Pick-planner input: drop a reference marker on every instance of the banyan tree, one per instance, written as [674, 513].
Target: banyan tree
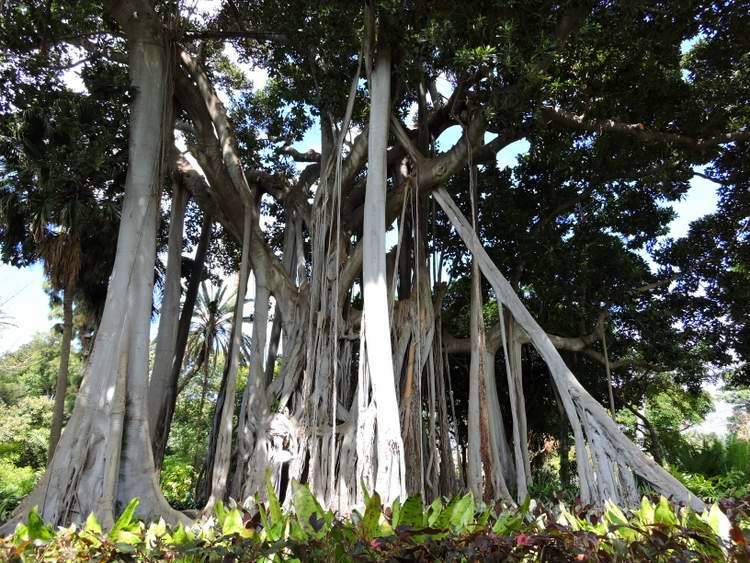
[350, 380]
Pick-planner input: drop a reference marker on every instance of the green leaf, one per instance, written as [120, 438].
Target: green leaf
[158, 529]
[614, 514]
[92, 524]
[365, 492]
[372, 516]
[220, 512]
[182, 536]
[21, 534]
[396, 512]
[125, 521]
[617, 519]
[719, 522]
[412, 513]
[37, 531]
[305, 506]
[232, 523]
[646, 512]
[127, 537]
[664, 513]
[274, 507]
[444, 520]
[433, 513]
[463, 513]
[507, 524]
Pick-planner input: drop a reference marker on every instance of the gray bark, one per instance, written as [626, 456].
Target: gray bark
[62, 373]
[376, 335]
[104, 459]
[161, 384]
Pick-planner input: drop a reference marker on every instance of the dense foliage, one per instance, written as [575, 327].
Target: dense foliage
[458, 529]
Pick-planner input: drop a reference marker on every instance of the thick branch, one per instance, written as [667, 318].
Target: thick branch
[244, 34]
[307, 156]
[638, 130]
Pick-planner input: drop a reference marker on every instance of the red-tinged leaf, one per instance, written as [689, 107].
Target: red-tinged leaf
[738, 536]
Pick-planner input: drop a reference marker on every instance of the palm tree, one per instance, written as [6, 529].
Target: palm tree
[210, 335]
[61, 253]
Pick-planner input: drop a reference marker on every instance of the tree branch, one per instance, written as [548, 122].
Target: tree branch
[638, 130]
[307, 156]
[243, 34]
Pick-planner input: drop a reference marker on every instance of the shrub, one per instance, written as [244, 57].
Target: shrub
[178, 482]
[456, 530]
[716, 468]
[15, 483]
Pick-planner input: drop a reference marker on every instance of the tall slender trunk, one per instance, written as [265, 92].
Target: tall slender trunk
[253, 442]
[62, 373]
[376, 334]
[564, 446]
[513, 368]
[477, 433]
[161, 421]
[220, 466]
[166, 339]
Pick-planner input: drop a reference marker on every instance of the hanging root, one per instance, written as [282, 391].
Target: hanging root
[606, 458]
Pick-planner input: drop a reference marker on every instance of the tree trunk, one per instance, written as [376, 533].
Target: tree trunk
[564, 445]
[375, 359]
[513, 369]
[161, 385]
[104, 458]
[253, 443]
[161, 423]
[487, 443]
[62, 373]
[220, 467]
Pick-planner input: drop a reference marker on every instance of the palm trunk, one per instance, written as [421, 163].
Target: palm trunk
[62, 373]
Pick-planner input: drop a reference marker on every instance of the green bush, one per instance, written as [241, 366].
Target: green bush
[457, 530]
[178, 482]
[15, 483]
[716, 468]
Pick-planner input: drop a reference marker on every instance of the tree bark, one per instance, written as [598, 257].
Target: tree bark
[376, 334]
[614, 456]
[253, 444]
[62, 373]
[161, 385]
